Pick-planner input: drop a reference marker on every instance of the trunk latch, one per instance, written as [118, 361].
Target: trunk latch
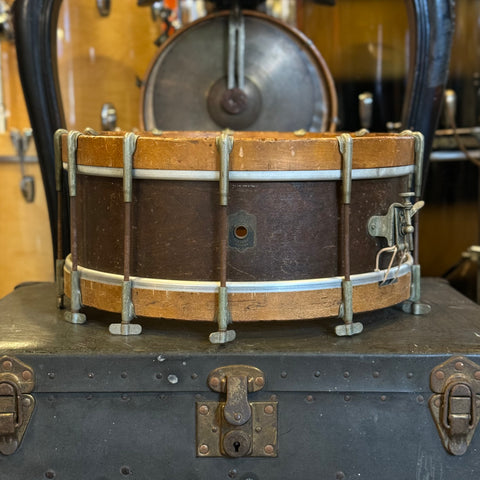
[236, 427]
[456, 405]
[16, 407]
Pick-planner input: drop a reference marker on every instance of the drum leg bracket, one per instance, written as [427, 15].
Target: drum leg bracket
[413, 305]
[349, 327]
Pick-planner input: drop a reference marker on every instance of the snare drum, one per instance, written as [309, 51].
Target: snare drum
[283, 234]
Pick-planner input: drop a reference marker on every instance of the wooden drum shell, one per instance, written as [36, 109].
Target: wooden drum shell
[292, 220]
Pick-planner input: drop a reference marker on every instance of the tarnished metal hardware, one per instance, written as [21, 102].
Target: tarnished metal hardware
[365, 109]
[236, 50]
[242, 228]
[236, 427]
[103, 7]
[224, 145]
[73, 315]
[59, 265]
[345, 145]
[396, 226]
[349, 327]
[21, 142]
[223, 317]
[16, 406]
[72, 144]
[413, 305]
[455, 405]
[108, 117]
[128, 309]
[60, 261]
[419, 154]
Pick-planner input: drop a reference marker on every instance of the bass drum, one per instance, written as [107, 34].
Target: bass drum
[101, 60]
[193, 84]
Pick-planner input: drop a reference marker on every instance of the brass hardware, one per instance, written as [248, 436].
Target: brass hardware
[16, 407]
[236, 427]
[456, 404]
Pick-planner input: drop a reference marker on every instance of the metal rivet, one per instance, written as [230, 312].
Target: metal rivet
[268, 409]
[214, 382]
[437, 402]
[51, 375]
[273, 398]
[124, 396]
[91, 375]
[158, 376]
[27, 402]
[173, 379]
[459, 365]
[89, 396]
[7, 365]
[259, 381]
[346, 374]
[439, 374]
[258, 429]
[284, 374]
[376, 374]
[237, 416]
[317, 373]
[194, 376]
[161, 358]
[269, 449]
[477, 375]
[410, 375]
[214, 429]
[125, 470]
[339, 476]
[27, 375]
[420, 399]
[50, 474]
[203, 410]
[124, 374]
[383, 398]
[203, 449]
[347, 398]
[232, 473]
[309, 398]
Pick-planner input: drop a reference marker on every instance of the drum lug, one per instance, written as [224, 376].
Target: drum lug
[16, 406]
[455, 406]
[236, 427]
